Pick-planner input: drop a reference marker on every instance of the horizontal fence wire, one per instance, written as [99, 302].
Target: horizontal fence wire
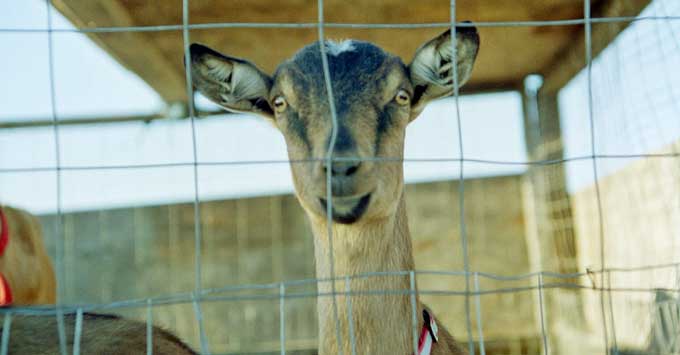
[218, 294]
[338, 159]
[312, 25]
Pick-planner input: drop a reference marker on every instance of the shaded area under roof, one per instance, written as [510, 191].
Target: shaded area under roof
[507, 55]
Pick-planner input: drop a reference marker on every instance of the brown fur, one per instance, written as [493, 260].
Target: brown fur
[370, 229]
[25, 263]
[29, 272]
[383, 324]
[101, 335]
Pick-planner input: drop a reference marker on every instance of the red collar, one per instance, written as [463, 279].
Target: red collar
[4, 232]
[5, 291]
[428, 335]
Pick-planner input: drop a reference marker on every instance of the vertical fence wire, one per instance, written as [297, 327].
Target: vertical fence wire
[611, 312]
[541, 313]
[149, 327]
[282, 318]
[199, 319]
[59, 228]
[478, 308]
[6, 329]
[414, 310]
[328, 162]
[461, 178]
[78, 331]
[593, 152]
[194, 147]
[196, 202]
[350, 319]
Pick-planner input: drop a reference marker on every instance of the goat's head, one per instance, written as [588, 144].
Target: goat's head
[375, 97]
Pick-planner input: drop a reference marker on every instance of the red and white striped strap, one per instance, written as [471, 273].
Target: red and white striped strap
[5, 290]
[4, 232]
[428, 335]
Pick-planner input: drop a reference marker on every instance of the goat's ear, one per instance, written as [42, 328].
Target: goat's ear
[431, 70]
[232, 83]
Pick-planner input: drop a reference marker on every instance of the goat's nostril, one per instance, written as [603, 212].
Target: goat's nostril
[340, 169]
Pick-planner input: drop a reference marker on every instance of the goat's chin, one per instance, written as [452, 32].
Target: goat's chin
[346, 210]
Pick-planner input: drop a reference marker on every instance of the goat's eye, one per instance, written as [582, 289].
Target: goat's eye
[402, 97]
[280, 104]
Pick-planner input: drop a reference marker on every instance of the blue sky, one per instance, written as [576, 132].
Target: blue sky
[88, 82]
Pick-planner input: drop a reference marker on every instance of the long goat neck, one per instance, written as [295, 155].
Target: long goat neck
[382, 322]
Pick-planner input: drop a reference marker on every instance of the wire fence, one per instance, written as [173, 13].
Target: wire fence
[208, 26]
[598, 280]
[582, 280]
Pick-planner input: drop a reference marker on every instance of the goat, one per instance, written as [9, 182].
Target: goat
[375, 96]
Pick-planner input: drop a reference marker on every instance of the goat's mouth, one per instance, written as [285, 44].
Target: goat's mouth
[347, 210]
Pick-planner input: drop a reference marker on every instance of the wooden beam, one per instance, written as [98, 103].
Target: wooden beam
[557, 52]
[572, 59]
[134, 50]
[87, 120]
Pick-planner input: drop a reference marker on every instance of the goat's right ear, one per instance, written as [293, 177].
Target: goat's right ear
[232, 83]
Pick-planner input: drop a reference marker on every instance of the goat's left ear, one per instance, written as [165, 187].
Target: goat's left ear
[431, 70]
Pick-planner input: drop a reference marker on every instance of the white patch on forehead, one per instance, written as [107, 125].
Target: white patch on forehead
[336, 48]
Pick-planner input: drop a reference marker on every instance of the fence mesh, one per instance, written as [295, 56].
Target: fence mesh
[605, 246]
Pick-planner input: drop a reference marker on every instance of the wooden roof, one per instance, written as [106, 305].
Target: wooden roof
[506, 56]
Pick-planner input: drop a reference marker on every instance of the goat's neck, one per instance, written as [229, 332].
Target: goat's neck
[382, 323]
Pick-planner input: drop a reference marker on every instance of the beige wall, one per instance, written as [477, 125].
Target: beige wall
[149, 251]
[495, 232]
[640, 202]
[641, 227]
